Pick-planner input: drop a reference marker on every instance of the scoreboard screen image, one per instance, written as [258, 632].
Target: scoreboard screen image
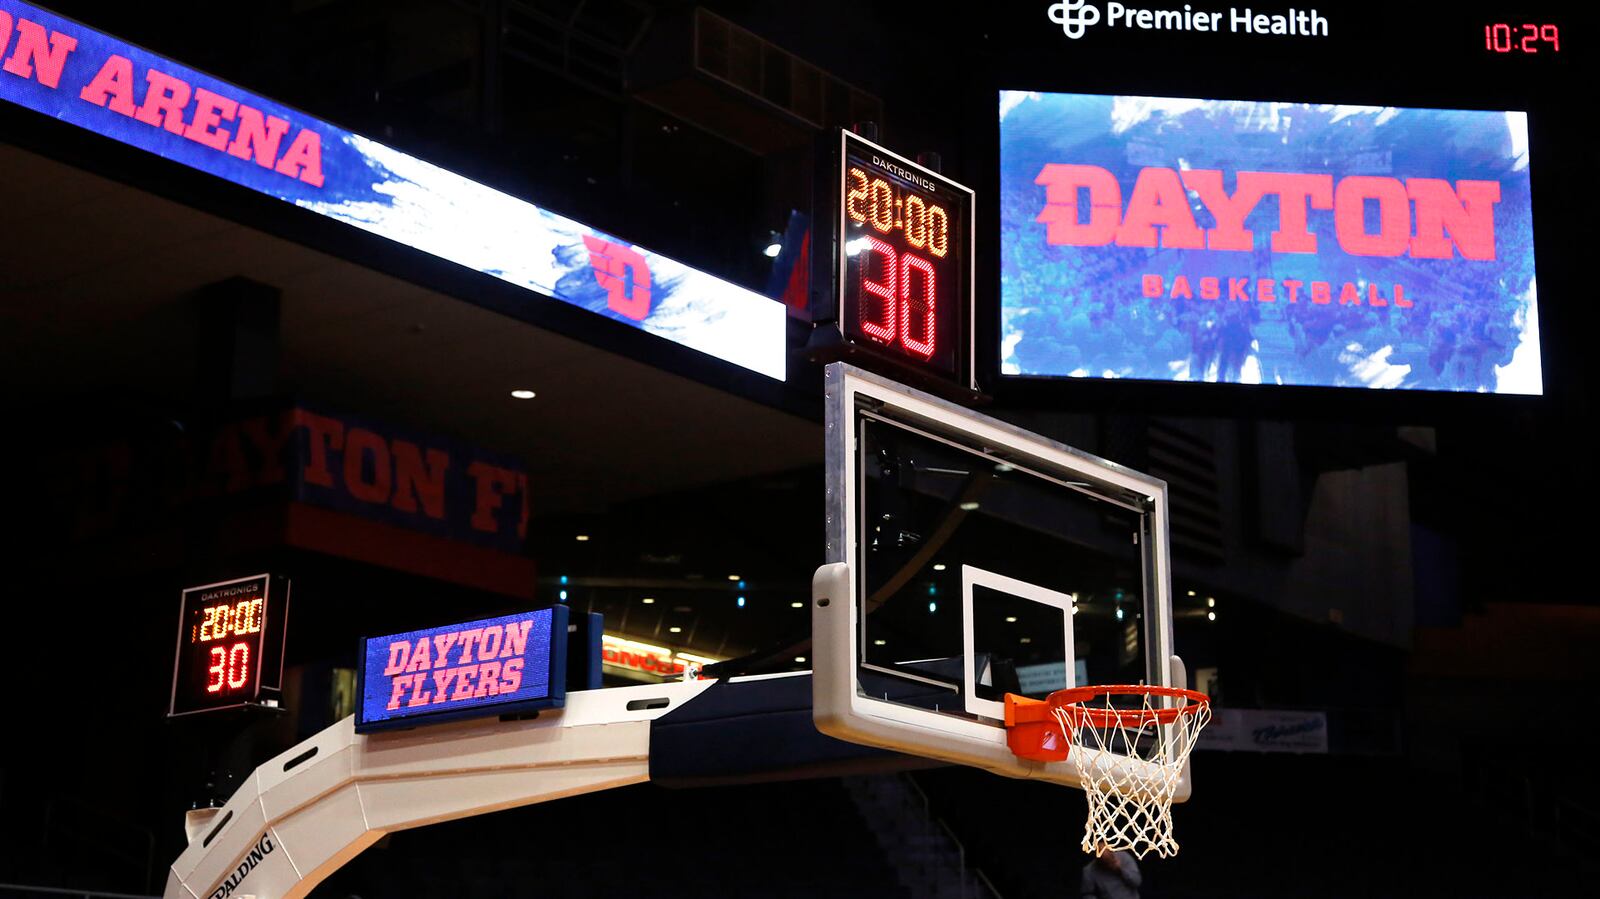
[1255, 242]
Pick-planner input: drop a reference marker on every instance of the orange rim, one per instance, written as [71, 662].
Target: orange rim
[1070, 702]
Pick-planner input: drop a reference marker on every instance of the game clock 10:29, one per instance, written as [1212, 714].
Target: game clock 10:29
[905, 261]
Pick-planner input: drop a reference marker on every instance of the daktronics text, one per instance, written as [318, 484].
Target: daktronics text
[1448, 218]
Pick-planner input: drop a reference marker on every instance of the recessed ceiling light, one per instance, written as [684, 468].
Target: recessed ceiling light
[733, 577]
[1026, 640]
[939, 567]
[675, 630]
[648, 600]
[1011, 619]
[1211, 616]
[800, 659]
[968, 507]
[523, 394]
[797, 605]
[880, 642]
[1211, 602]
[583, 538]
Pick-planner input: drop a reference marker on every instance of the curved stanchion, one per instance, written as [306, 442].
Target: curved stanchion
[302, 815]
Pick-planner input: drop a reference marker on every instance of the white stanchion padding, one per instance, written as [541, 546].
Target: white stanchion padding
[305, 813]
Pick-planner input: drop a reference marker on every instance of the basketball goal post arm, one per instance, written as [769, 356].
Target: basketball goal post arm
[302, 815]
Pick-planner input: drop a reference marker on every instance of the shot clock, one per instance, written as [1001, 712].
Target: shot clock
[905, 261]
[230, 644]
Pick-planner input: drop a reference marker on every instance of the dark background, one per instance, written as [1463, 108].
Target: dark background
[1412, 565]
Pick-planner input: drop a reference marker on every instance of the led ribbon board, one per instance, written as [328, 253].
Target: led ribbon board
[1267, 243]
[230, 644]
[905, 262]
[70, 72]
[487, 667]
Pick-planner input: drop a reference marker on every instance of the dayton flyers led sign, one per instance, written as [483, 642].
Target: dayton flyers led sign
[1267, 243]
[72, 73]
[493, 666]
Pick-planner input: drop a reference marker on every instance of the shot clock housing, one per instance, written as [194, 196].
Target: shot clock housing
[896, 282]
[230, 645]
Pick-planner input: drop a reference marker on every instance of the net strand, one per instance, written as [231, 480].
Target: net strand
[1130, 767]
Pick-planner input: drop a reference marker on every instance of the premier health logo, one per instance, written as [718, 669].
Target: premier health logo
[1075, 17]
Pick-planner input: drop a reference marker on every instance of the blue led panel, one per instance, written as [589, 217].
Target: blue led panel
[488, 667]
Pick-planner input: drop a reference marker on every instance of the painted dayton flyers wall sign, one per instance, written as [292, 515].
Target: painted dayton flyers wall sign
[74, 74]
[1277, 243]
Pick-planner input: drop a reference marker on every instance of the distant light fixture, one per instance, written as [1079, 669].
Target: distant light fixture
[933, 607]
[933, 590]
[741, 585]
[563, 580]
[1119, 614]
[772, 250]
[1026, 640]
[1074, 610]
[1011, 619]
[649, 600]
[740, 602]
[583, 538]
[1003, 468]
[968, 507]
[1211, 602]
[797, 605]
[562, 596]
[523, 394]
[800, 659]
[940, 567]
[1211, 616]
[880, 642]
[734, 577]
[675, 630]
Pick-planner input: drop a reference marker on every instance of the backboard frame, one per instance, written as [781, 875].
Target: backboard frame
[840, 708]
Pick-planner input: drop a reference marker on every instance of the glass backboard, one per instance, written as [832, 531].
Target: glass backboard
[968, 558]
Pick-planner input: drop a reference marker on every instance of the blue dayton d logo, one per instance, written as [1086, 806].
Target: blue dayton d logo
[1074, 16]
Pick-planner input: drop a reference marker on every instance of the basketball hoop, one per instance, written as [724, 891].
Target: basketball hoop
[1129, 759]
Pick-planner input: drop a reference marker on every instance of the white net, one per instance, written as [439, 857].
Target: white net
[1130, 760]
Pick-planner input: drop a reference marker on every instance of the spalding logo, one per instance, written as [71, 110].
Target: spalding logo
[263, 848]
